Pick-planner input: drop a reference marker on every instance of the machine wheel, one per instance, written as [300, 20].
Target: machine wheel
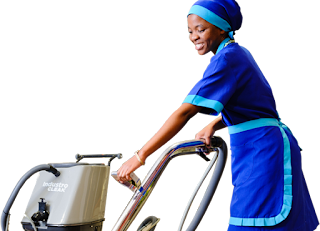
[147, 223]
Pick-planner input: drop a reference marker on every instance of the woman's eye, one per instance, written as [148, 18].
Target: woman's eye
[199, 31]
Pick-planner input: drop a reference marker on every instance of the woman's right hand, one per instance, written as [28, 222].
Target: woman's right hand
[206, 134]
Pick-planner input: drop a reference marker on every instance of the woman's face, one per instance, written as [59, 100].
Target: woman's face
[205, 36]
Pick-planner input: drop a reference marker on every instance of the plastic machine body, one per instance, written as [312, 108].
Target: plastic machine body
[77, 198]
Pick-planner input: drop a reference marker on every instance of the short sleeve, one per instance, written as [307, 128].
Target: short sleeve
[215, 89]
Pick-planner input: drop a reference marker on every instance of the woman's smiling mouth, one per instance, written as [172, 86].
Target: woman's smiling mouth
[199, 46]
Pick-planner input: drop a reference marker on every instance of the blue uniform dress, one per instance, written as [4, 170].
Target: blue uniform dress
[270, 192]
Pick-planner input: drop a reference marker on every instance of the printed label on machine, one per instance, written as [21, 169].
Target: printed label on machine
[55, 187]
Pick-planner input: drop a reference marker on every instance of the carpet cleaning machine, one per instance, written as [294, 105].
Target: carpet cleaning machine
[72, 196]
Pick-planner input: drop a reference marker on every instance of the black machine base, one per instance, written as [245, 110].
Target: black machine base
[94, 226]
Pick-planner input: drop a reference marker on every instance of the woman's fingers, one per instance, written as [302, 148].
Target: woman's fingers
[208, 141]
[205, 138]
[120, 174]
[124, 178]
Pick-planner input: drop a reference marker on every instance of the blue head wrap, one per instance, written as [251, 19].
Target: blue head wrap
[224, 14]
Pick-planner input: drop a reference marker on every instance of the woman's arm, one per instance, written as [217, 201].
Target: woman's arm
[208, 131]
[169, 129]
[217, 124]
[173, 126]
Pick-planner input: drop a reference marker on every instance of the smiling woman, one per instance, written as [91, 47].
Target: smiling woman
[269, 187]
[205, 36]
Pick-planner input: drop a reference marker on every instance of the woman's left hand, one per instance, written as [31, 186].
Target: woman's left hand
[127, 168]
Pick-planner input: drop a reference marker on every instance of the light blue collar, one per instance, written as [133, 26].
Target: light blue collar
[224, 43]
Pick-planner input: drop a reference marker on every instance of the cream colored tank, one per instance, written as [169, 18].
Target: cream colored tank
[77, 196]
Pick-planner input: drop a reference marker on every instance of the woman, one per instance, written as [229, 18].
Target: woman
[269, 187]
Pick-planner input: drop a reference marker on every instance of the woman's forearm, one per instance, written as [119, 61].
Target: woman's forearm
[175, 124]
[217, 124]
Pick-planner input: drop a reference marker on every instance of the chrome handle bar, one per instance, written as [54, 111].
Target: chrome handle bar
[140, 196]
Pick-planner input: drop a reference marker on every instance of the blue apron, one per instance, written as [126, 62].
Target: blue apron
[269, 187]
[270, 192]
[261, 173]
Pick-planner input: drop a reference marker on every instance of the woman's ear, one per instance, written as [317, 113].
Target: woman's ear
[223, 33]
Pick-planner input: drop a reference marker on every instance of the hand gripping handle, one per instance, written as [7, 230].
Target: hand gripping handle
[127, 184]
[135, 178]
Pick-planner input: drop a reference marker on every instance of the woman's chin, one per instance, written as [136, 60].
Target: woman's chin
[202, 52]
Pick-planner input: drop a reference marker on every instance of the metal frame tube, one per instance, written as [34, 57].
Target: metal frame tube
[144, 191]
[141, 196]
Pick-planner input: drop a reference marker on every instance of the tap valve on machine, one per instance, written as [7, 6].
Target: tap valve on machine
[42, 214]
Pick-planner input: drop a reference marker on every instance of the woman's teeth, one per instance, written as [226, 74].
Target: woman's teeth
[199, 46]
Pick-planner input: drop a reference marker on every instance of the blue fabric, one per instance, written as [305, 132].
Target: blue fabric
[253, 124]
[257, 183]
[234, 79]
[203, 102]
[259, 218]
[217, 81]
[222, 45]
[269, 188]
[224, 14]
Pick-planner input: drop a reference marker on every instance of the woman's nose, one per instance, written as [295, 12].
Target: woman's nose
[194, 37]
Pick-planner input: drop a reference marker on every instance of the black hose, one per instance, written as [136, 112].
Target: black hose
[19, 185]
[222, 157]
[111, 159]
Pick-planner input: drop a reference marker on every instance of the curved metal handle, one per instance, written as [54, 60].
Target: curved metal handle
[150, 181]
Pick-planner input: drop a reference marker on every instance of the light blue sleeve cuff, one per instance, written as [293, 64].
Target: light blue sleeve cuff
[204, 102]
